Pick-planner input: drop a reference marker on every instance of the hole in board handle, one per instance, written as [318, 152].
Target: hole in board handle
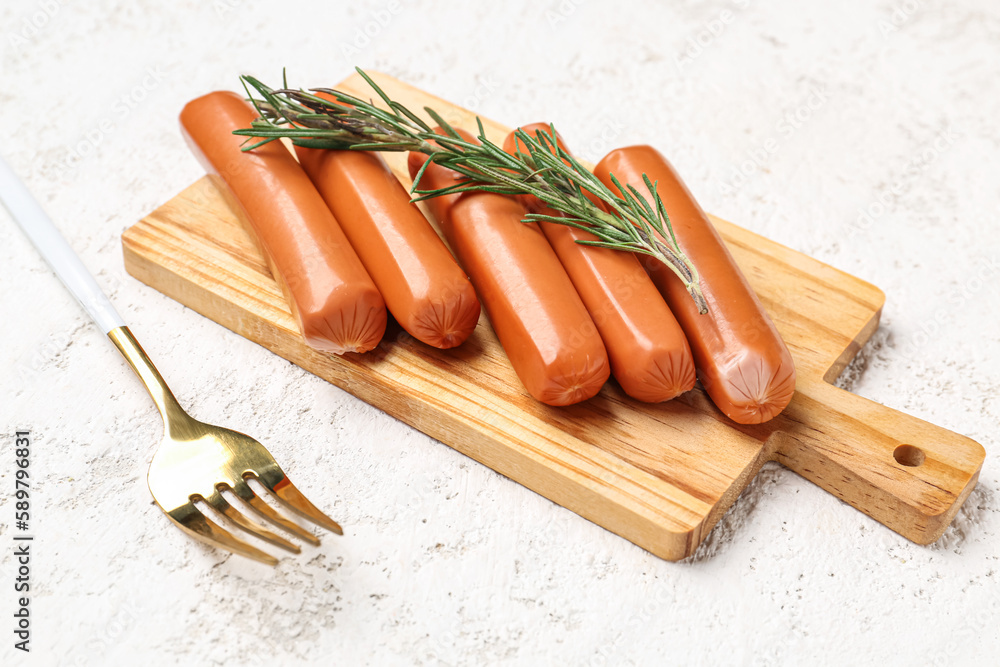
[908, 455]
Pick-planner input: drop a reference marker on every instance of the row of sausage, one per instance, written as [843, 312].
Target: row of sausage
[345, 244]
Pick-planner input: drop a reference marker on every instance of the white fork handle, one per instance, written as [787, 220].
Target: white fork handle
[30, 217]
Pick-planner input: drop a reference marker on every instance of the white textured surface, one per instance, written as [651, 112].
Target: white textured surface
[444, 561]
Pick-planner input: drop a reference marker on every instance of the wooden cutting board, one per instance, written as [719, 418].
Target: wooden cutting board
[661, 475]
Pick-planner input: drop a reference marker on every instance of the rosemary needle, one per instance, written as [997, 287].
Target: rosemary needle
[540, 167]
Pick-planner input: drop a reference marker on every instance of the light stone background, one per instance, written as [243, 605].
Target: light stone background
[444, 561]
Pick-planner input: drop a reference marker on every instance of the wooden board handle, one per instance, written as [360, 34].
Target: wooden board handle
[904, 472]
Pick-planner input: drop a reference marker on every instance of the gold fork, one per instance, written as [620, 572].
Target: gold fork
[196, 461]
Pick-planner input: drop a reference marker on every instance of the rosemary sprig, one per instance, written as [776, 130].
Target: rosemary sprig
[540, 167]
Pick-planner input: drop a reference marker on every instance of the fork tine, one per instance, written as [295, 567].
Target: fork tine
[265, 511]
[221, 505]
[190, 519]
[277, 482]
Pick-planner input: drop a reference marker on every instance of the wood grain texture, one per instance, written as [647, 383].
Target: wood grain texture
[660, 475]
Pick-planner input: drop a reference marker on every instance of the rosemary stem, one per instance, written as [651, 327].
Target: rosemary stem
[539, 168]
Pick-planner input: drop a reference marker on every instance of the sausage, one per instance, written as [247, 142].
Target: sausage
[423, 286]
[649, 354]
[540, 320]
[741, 359]
[334, 301]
